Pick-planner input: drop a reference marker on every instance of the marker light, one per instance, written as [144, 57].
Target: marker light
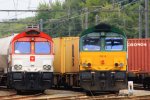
[116, 64]
[47, 67]
[121, 64]
[18, 67]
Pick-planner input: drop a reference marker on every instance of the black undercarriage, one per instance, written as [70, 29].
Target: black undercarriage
[27, 81]
[103, 80]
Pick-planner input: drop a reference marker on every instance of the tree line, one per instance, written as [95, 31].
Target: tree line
[71, 17]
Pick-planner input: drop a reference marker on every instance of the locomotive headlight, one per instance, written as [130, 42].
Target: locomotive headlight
[89, 64]
[18, 67]
[47, 67]
[116, 64]
[84, 64]
[121, 64]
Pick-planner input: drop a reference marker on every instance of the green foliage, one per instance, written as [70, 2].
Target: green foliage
[122, 14]
[58, 21]
[43, 15]
[11, 27]
[68, 18]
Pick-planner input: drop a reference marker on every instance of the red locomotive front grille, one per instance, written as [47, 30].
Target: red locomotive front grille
[32, 58]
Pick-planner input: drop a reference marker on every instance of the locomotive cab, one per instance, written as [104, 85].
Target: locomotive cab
[103, 59]
[30, 61]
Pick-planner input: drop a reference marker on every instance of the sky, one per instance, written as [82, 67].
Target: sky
[19, 5]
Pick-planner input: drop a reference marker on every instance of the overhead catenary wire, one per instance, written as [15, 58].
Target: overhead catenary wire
[59, 20]
[49, 10]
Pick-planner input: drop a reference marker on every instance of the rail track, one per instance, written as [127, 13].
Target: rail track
[81, 96]
[105, 97]
[69, 95]
[19, 97]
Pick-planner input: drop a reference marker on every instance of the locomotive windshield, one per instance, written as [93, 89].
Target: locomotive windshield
[22, 47]
[42, 47]
[97, 41]
[113, 43]
[91, 42]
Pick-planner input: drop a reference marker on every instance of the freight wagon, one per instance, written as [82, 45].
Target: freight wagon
[139, 61]
[66, 61]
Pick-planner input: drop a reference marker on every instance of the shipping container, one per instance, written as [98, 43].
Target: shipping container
[139, 55]
[66, 59]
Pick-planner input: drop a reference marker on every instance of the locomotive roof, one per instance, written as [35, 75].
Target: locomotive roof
[32, 33]
[103, 27]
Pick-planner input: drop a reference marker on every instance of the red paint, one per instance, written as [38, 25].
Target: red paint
[139, 55]
[102, 62]
[32, 58]
[23, 36]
